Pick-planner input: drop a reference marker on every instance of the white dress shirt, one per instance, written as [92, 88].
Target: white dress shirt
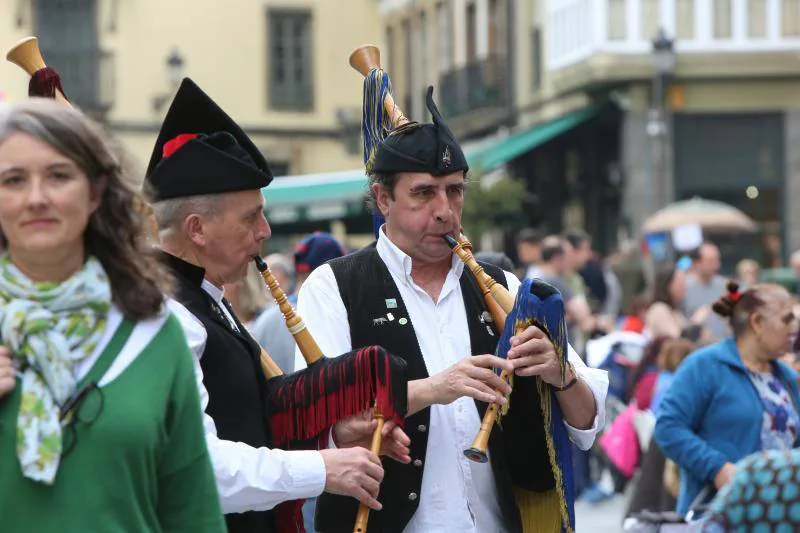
[457, 494]
[248, 479]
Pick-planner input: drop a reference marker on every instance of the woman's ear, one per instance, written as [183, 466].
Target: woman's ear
[96, 192]
[756, 322]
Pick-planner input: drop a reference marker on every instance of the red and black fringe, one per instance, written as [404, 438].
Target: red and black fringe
[289, 517]
[304, 404]
[44, 83]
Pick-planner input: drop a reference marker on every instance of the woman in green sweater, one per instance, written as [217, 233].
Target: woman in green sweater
[101, 429]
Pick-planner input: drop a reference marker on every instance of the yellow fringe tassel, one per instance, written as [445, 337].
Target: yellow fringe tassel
[544, 512]
[540, 511]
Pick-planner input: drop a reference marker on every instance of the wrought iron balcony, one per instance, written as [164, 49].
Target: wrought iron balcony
[483, 84]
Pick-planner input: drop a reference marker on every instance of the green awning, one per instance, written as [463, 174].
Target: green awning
[327, 196]
[504, 150]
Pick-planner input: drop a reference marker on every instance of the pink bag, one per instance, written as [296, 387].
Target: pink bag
[621, 444]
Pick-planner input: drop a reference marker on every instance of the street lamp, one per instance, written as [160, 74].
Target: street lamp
[174, 68]
[175, 64]
[657, 128]
[663, 67]
[663, 54]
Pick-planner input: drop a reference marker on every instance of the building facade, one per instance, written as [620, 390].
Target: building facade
[279, 67]
[720, 121]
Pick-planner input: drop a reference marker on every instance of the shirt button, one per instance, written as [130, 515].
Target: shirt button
[421, 428]
[412, 496]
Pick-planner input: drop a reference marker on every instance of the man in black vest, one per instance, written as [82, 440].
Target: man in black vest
[413, 296]
[206, 177]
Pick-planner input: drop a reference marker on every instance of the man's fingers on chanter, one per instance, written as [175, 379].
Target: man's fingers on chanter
[372, 486]
[484, 394]
[485, 361]
[480, 373]
[374, 471]
[369, 501]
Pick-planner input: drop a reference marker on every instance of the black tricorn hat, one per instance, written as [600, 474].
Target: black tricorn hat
[429, 148]
[201, 150]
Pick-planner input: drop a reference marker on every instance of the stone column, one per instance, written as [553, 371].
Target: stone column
[638, 191]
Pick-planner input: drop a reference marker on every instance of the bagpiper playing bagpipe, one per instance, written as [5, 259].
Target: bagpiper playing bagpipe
[205, 177]
[411, 293]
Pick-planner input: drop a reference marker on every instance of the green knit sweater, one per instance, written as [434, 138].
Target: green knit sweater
[140, 466]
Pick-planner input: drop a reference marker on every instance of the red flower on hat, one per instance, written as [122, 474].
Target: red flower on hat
[734, 296]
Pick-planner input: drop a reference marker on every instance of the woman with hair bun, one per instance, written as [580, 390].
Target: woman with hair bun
[733, 398]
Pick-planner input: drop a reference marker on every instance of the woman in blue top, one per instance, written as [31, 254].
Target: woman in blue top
[734, 397]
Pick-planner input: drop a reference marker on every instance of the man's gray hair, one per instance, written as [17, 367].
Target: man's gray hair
[171, 213]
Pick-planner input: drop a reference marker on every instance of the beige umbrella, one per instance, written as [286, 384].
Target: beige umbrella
[710, 215]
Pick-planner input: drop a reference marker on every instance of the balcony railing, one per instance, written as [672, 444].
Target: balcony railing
[479, 85]
[577, 29]
[88, 78]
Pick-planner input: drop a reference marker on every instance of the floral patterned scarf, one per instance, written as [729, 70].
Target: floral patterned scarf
[49, 328]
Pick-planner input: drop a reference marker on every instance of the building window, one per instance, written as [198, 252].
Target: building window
[68, 40]
[790, 18]
[279, 168]
[290, 69]
[616, 20]
[650, 20]
[423, 53]
[388, 57]
[536, 55]
[445, 31]
[472, 28]
[684, 19]
[408, 77]
[723, 19]
[352, 142]
[497, 31]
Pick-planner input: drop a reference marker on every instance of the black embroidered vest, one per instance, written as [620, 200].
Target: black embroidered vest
[365, 285]
[232, 376]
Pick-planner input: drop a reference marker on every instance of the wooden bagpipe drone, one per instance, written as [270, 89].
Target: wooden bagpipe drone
[302, 406]
[530, 428]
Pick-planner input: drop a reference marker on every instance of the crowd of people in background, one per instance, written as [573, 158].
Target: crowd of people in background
[703, 372]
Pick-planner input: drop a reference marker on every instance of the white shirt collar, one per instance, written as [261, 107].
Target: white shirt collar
[215, 292]
[399, 263]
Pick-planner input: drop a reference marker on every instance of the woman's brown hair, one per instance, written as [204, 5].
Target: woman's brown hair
[115, 234]
[673, 352]
[662, 285]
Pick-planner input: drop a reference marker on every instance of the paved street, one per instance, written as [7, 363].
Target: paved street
[602, 518]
